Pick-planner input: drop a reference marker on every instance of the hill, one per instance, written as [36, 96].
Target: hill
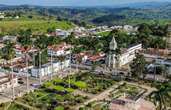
[37, 26]
[136, 13]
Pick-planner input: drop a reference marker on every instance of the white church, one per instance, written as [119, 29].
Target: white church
[126, 55]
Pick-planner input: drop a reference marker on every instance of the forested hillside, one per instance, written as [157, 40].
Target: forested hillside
[130, 14]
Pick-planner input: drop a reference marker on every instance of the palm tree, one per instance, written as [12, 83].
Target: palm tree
[41, 43]
[9, 54]
[162, 97]
[52, 41]
[25, 40]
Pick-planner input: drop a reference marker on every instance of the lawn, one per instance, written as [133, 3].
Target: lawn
[37, 26]
[104, 33]
[93, 83]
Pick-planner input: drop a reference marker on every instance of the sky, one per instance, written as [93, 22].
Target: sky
[74, 2]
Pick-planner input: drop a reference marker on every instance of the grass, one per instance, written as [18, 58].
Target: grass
[59, 108]
[104, 33]
[92, 83]
[37, 26]
[80, 84]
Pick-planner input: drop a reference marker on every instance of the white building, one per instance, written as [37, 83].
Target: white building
[6, 81]
[10, 38]
[128, 28]
[62, 33]
[2, 16]
[48, 69]
[61, 49]
[126, 56]
[129, 54]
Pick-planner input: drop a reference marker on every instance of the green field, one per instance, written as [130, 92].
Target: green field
[106, 33]
[37, 26]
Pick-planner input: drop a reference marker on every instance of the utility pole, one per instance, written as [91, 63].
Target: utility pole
[27, 72]
[34, 64]
[40, 67]
[51, 67]
[70, 70]
[12, 79]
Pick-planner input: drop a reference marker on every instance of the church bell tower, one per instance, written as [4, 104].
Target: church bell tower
[111, 58]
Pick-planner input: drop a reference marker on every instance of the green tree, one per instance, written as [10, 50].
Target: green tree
[41, 42]
[162, 97]
[138, 66]
[25, 40]
[8, 51]
[144, 28]
[71, 39]
[52, 40]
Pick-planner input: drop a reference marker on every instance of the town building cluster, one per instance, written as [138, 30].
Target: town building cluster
[60, 57]
[84, 32]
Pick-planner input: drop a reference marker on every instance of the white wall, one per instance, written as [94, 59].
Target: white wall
[47, 68]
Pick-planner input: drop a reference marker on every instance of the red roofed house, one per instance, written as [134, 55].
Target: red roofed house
[61, 49]
[88, 57]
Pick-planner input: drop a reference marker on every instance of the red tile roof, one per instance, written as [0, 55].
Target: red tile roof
[61, 46]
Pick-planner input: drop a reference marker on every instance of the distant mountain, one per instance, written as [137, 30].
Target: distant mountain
[146, 5]
[121, 14]
[1, 5]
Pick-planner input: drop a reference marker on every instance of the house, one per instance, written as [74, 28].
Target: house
[10, 38]
[128, 28]
[19, 50]
[49, 68]
[61, 49]
[89, 57]
[18, 64]
[62, 33]
[6, 81]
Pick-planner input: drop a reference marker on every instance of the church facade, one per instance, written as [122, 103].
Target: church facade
[127, 55]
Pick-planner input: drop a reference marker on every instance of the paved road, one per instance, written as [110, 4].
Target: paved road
[26, 106]
[78, 92]
[98, 69]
